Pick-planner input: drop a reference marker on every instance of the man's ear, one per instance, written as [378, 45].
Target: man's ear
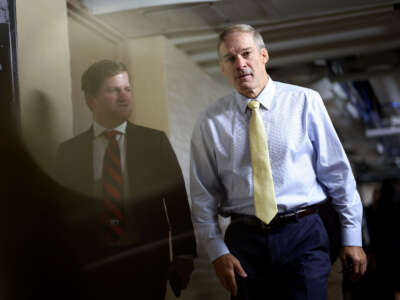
[265, 55]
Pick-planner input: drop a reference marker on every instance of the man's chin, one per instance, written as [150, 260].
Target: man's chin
[245, 83]
[125, 113]
[121, 117]
[246, 86]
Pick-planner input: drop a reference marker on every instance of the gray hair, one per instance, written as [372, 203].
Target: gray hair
[241, 28]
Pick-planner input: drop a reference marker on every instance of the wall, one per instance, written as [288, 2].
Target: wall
[146, 62]
[190, 90]
[44, 76]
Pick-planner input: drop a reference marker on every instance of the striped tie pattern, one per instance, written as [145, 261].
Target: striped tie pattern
[113, 217]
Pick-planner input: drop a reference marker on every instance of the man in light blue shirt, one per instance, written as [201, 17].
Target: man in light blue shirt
[288, 258]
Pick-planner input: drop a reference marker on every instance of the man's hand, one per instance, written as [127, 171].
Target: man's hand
[354, 261]
[225, 267]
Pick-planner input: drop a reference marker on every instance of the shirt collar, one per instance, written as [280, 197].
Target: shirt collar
[98, 129]
[265, 97]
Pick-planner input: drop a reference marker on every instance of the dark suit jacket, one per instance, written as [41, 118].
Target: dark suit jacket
[140, 268]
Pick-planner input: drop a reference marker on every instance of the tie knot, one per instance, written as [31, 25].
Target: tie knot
[253, 104]
[111, 134]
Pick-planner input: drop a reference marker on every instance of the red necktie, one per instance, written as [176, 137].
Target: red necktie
[113, 217]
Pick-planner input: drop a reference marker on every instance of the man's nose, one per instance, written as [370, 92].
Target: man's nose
[240, 62]
[125, 95]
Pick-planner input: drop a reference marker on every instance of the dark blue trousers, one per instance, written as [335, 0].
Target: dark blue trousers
[290, 262]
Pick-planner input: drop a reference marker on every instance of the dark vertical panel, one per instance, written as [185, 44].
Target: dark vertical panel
[5, 64]
[9, 100]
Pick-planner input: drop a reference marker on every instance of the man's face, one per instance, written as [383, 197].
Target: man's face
[243, 63]
[112, 105]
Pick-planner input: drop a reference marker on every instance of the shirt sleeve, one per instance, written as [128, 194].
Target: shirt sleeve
[334, 171]
[206, 191]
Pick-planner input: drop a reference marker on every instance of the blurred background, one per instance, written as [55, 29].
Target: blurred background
[349, 51]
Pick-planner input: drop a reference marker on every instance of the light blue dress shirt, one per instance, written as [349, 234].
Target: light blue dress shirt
[307, 160]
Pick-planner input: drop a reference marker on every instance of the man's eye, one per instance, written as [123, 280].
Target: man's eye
[230, 59]
[128, 89]
[246, 54]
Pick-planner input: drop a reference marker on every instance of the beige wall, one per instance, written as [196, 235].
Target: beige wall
[44, 76]
[146, 61]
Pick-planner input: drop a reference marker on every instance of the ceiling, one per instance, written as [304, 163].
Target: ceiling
[295, 32]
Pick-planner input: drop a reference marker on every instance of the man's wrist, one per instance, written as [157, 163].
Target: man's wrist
[218, 254]
[351, 236]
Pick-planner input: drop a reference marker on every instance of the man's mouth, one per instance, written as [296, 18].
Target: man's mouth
[243, 76]
[123, 103]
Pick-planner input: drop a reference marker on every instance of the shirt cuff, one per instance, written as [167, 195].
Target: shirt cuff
[216, 248]
[351, 236]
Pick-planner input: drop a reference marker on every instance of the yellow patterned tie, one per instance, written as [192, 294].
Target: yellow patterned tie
[264, 196]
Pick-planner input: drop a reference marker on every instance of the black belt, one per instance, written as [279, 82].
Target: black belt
[279, 220]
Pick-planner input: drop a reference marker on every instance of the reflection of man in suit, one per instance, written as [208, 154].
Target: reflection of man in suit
[130, 190]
